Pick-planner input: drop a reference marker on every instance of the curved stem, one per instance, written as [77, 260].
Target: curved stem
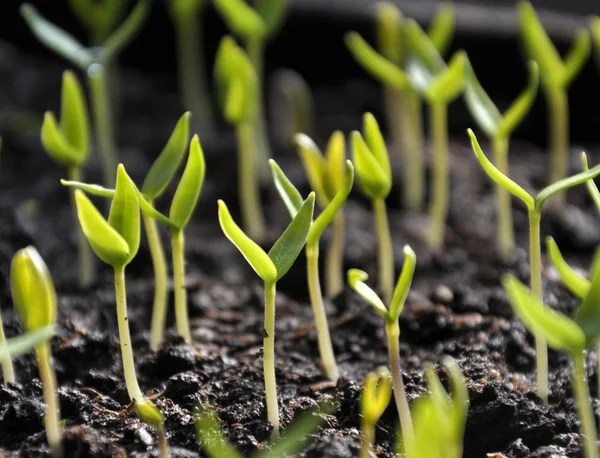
[386, 251]
[8, 371]
[506, 241]
[181, 304]
[441, 183]
[163, 446]
[584, 406]
[269, 358]
[87, 262]
[49, 388]
[334, 261]
[559, 137]
[368, 437]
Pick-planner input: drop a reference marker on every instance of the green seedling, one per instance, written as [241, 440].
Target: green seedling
[499, 127]
[332, 204]
[270, 267]
[116, 241]
[591, 185]
[374, 400]
[8, 371]
[442, 414]
[26, 342]
[99, 18]
[193, 87]
[595, 29]
[34, 298]
[93, 61]
[236, 88]
[375, 181]
[356, 280]
[68, 143]
[556, 75]
[534, 210]
[572, 335]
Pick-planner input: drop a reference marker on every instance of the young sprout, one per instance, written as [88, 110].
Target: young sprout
[236, 89]
[331, 203]
[99, 18]
[116, 241]
[68, 143]
[356, 280]
[556, 75]
[590, 184]
[595, 29]
[498, 127]
[373, 402]
[534, 210]
[375, 181]
[573, 335]
[93, 61]
[193, 87]
[34, 299]
[270, 267]
[8, 372]
[442, 414]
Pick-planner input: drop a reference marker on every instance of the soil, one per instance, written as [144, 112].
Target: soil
[456, 306]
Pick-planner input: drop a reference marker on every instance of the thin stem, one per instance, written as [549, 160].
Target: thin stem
[159, 263]
[249, 186]
[386, 251]
[269, 358]
[316, 299]
[392, 331]
[441, 183]
[8, 371]
[49, 389]
[368, 437]
[559, 137]
[87, 262]
[584, 406]
[506, 241]
[163, 445]
[181, 304]
[334, 261]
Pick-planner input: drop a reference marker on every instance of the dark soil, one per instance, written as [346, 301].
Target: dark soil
[456, 306]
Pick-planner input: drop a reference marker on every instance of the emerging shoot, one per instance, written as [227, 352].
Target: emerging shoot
[373, 402]
[8, 371]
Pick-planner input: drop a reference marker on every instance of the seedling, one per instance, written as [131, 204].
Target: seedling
[595, 29]
[116, 241]
[99, 18]
[93, 62]
[8, 372]
[331, 203]
[237, 85]
[498, 128]
[591, 185]
[373, 402]
[270, 267]
[193, 87]
[34, 299]
[68, 143]
[573, 335]
[534, 210]
[556, 75]
[356, 280]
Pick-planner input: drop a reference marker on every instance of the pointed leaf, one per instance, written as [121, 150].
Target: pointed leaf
[93, 189]
[588, 314]
[422, 48]
[372, 179]
[376, 143]
[213, 439]
[74, 122]
[335, 161]
[235, 102]
[577, 56]
[449, 84]
[315, 166]
[578, 285]
[24, 343]
[482, 109]
[124, 215]
[564, 184]
[56, 145]
[419, 75]
[441, 30]
[241, 18]
[403, 284]
[591, 184]
[289, 194]
[272, 13]
[389, 32]
[376, 395]
[356, 280]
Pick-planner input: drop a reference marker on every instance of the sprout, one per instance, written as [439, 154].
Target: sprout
[193, 87]
[590, 184]
[8, 372]
[595, 29]
[99, 18]
[237, 85]
[573, 335]
[356, 280]
[534, 210]
[68, 143]
[375, 181]
[34, 299]
[270, 267]
[93, 61]
[498, 128]
[556, 75]
[331, 201]
[373, 402]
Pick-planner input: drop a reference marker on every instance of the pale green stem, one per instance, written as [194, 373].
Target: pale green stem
[368, 437]
[334, 261]
[559, 137]
[161, 278]
[103, 123]
[316, 299]
[386, 251]
[440, 195]
[163, 446]
[8, 372]
[392, 331]
[49, 389]
[584, 406]
[535, 256]
[269, 358]
[181, 304]
[506, 241]
[249, 185]
[87, 262]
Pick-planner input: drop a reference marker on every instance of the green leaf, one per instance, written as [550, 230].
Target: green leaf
[166, 164]
[376, 395]
[124, 215]
[403, 284]
[565, 184]
[314, 165]
[498, 177]
[213, 439]
[356, 280]
[242, 19]
[389, 31]
[272, 13]
[422, 49]
[372, 179]
[289, 194]
[376, 143]
[93, 189]
[482, 109]
[578, 285]
[189, 187]
[460, 397]
[254, 254]
[588, 313]
[560, 332]
[32, 290]
[98, 17]
[577, 56]
[74, 122]
[441, 30]
[426, 418]
[24, 343]
[286, 249]
[448, 84]
[55, 143]
[590, 184]
[149, 413]
[595, 29]
[335, 163]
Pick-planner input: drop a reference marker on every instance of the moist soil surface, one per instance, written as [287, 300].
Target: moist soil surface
[456, 306]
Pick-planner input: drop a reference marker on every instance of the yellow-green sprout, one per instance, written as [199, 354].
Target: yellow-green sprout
[34, 298]
[8, 371]
[374, 400]
[99, 18]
